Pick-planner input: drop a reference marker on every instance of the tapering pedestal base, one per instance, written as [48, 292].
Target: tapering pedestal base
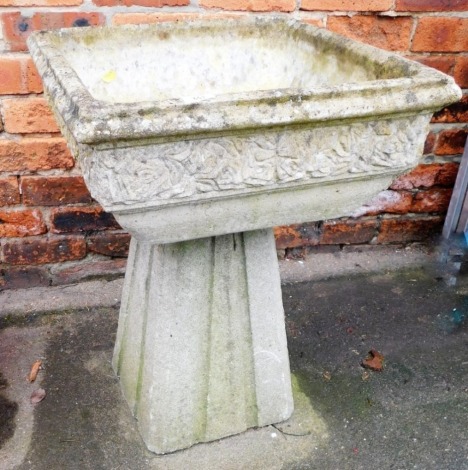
[201, 347]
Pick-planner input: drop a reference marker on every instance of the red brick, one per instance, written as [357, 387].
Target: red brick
[348, 232]
[143, 3]
[451, 142]
[85, 271]
[26, 116]
[21, 223]
[109, 244]
[307, 234]
[314, 21]
[443, 63]
[447, 174]
[81, 219]
[457, 112]
[35, 154]
[429, 143]
[431, 200]
[10, 76]
[13, 277]
[17, 28]
[460, 71]
[9, 191]
[436, 34]
[43, 251]
[427, 176]
[250, 5]
[39, 3]
[18, 75]
[347, 5]
[392, 202]
[387, 32]
[287, 236]
[410, 229]
[54, 190]
[431, 5]
[33, 79]
[149, 18]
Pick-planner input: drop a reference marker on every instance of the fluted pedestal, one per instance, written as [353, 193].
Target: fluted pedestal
[201, 347]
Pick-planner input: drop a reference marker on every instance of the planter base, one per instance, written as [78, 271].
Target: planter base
[201, 346]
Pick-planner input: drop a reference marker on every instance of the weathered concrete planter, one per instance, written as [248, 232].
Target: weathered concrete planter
[199, 138]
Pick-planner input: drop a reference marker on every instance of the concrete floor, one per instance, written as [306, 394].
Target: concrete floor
[412, 306]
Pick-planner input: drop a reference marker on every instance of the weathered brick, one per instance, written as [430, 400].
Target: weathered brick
[436, 34]
[21, 223]
[250, 5]
[33, 81]
[9, 191]
[443, 63]
[26, 116]
[109, 244]
[17, 28]
[460, 71]
[343, 232]
[43, 251]
[451, 142]
[35, 154]
[143, 3]
[85, 271]
[10, 76]
[347, 5]
[457, 112]
[287, 236]
[18, 75]
[431, 5]
[299, 252]
[81, 219]
[447, 174]
[39, 3]
[314, 21]
[404, 230]
[162, 17]
[291, 236]
[392, 202]
[54, 190]
[14, 277]
[431, 200]
[429, 143]
[391, 33]
[427, 176]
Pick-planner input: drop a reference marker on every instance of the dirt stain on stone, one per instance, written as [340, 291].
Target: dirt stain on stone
[8, 410]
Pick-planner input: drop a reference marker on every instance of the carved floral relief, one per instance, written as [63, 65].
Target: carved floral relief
[188, 168]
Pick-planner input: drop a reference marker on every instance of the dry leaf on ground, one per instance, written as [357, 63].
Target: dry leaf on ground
[38, 395]
[373, 361]
[34, 370]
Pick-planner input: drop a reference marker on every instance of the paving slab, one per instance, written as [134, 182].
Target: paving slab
[29, 303]
[413, 414]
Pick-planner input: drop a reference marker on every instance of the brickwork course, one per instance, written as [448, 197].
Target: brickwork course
[52, 231]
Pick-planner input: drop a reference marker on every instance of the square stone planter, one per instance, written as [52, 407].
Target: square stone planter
[199, 137]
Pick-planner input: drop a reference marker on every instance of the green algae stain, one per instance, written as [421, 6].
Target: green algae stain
[344, 395]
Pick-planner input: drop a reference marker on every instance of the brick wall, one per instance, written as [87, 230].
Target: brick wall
[51, 230]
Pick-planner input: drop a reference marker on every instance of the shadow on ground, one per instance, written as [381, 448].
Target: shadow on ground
[411, 415]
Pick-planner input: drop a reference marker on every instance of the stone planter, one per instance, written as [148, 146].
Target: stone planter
[200, 137]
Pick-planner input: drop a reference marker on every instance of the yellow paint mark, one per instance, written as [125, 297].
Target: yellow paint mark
[109, 76]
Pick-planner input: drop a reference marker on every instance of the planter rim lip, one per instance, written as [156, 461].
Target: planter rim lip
[93, 121]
